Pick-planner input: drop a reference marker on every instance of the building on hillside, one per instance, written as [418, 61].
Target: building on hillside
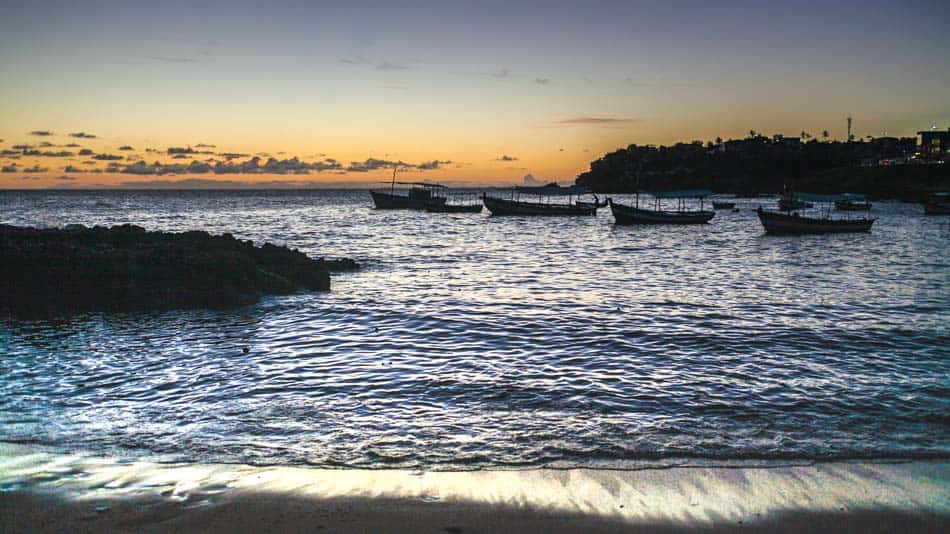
[791, 143]
[934, 144]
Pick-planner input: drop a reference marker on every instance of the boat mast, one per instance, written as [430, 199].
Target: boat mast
[392, 188]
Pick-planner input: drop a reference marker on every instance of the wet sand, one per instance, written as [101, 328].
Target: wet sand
[49, 493]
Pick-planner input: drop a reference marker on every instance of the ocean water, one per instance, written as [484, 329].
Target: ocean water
[469, 341]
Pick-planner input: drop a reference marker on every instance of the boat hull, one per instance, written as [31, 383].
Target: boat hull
[785, 204]
[388, 201]
[454, 208]
[631, 215]
[499, 206]
[785, 224]
[413, 201]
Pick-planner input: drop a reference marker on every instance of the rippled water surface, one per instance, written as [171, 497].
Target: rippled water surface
[473, 341]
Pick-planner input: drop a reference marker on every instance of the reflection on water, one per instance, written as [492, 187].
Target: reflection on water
[473, 341]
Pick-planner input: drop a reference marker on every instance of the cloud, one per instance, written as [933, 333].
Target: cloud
[372, 164]
[203, 145]
[232, 155]
[361, 61]
[506, 157]
[23, 147]
[72, 168]
[64, 178]
[41, 133]
[82, 135]
[72, 145]
[542, 81]
[187, 183]
[386, 65]
[107, 157]
[167, 59]
[46, 144]
[501, 74]
[254, 165]
[529, 179]
[48, 154]
[181, 156]
[180, 150]
[432, 165]
[126, 147]
[86, 152]
[586, 121]
[355, 60]
[13, 168]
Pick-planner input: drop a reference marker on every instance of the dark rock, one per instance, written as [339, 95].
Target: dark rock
[128, 268]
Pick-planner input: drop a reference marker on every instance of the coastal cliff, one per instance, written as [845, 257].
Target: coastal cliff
[126, 268]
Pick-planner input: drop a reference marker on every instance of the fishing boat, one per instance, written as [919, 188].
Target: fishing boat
[419, 196]
[597, 203]
[790, 223]
[719, 205]
[454, 208]
[852, 202]
[625, 214]
[937, 204]
[543, 205]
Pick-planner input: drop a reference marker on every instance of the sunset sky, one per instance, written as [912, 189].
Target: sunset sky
[474, 92]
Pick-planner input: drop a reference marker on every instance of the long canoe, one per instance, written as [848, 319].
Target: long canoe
[794, 224]
[499, 206]
[630, 215]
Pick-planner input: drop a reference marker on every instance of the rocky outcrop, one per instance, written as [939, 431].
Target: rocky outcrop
[127, 268]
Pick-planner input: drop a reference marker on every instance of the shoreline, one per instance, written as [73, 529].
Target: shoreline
[46, 492]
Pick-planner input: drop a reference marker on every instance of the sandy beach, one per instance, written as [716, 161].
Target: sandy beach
[44, 492]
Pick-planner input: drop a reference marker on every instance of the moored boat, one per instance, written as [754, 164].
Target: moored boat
[421, 195]
[500, 206]
[454, 208]
[543, 206]
[796, 224]
[625, 214]
[597, 203]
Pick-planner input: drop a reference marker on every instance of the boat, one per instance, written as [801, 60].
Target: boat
[723, 205]
[796, 224]
[543, 206]
[421, 195]
[453, 208]
[937, 204]
[789, 223]
[852, 202]
[595, 204]
[625, 214]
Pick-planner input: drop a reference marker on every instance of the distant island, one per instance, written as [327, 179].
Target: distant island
[126, 268]
[883, 167]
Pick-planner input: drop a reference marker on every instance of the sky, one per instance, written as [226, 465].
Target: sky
[457, 92]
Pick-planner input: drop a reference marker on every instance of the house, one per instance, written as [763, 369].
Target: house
[790, 143]
[933, 144]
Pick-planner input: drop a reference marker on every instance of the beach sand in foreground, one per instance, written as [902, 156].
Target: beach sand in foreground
[44, 492]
